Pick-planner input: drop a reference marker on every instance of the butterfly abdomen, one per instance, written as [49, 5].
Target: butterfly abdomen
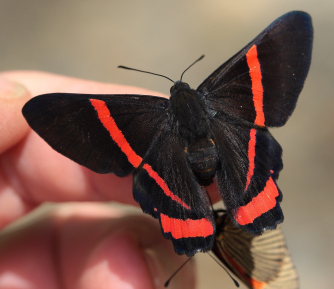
[203, 158]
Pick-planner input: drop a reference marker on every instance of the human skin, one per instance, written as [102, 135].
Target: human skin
[71, 245]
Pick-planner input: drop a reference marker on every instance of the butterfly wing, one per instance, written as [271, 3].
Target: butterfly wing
[166, 188]
[261, 262]
[256, 88]
[249, 166]
[131, 133]
[261, 83]
[106, 133]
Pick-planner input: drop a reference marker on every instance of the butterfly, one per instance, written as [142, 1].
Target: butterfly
[260, 262]
[175, 147]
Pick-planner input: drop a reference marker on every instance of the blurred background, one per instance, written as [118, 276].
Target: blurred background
[88, 39]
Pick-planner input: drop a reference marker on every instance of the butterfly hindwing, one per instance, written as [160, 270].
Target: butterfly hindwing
[166, 187]
[259, 261]
[106, 133]
[250, 161]
[261, 83]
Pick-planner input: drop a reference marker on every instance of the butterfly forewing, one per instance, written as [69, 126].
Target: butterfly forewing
[83, 127]
[261, 82]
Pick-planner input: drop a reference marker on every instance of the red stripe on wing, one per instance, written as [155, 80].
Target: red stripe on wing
[251, 156]
[163, 185]
[262, 203]
[109, 123]
[116, 134]
[188, 228]
[257, 87]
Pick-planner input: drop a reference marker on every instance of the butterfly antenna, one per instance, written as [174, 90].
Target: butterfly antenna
[176, 271]
[200, 58]
[134, 69]
[236, 283]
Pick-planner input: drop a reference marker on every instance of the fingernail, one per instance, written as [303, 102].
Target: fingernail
[11, 90]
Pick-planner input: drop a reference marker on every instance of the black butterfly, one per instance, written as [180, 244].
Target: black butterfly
[175, 147]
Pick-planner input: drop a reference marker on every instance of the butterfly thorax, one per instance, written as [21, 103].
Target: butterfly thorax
[188, 108]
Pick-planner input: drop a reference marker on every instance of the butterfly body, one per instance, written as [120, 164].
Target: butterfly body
[187, 107]
[175, 146]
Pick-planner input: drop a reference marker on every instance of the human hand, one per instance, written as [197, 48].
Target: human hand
[70, 245]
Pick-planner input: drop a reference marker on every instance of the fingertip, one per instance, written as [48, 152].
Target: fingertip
[12, 124]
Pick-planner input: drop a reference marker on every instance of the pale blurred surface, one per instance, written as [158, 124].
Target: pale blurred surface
[90, 38]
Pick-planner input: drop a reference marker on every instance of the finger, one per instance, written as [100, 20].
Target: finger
[38, 82]
[12, 124]
[34, 173]
[89, 246]
[13, 128]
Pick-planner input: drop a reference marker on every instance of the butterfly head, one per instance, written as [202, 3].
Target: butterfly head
[178, 87]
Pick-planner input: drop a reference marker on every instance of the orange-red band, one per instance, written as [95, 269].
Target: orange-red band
[109, 123]
[262, 203]
[163, 185]
[251, 156]
[188, 228]
[257, 87]
[116, 134]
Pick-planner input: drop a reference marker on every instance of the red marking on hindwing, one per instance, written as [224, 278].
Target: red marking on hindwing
[262, 203]
[160, 181]
[251, 156]
[257, 86]
[188, 228]
[116, 134]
